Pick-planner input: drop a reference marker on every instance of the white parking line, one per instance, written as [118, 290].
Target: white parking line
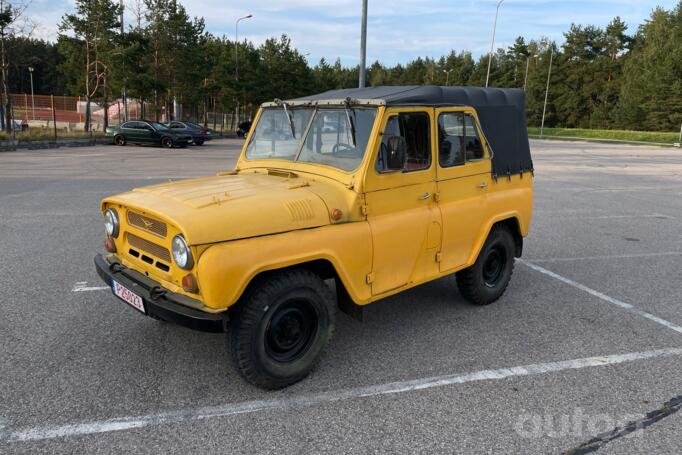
[193, 414]
[627, 306]
[82, 286]
[614, 256]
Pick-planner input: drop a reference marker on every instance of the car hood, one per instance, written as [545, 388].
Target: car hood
[228, 207]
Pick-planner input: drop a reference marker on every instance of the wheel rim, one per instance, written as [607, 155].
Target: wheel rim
[120, 140]
[291, 330]
[493, 266]
[167, 143]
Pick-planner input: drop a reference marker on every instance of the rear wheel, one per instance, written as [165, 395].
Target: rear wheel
[486, 280]
[279, 331]
[120, 140]
[167, 142]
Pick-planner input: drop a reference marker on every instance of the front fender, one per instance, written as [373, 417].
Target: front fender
[224, 270]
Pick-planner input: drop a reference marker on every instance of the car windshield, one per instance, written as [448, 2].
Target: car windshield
[159, 126]
[335, 137]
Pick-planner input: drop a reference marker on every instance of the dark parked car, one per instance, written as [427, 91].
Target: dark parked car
[243, 128]
[199, 133]
[146, 132]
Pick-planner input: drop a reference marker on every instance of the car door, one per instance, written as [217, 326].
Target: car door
[400, 205]
[147, 133]
[129, 131]
[463, 179]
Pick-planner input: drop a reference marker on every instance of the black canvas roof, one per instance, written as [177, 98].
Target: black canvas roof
[501, 112]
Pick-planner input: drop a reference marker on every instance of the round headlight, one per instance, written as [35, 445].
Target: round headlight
[181, 252]
[111, 222]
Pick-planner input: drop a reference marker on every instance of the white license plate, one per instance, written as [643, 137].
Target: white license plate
[127, 296]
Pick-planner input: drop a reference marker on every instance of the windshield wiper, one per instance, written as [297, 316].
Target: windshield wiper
[291, 120]
[352, 125]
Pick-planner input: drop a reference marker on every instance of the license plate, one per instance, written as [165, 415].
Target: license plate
[127, 296]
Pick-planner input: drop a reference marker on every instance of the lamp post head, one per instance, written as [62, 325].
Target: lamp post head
[30, 69]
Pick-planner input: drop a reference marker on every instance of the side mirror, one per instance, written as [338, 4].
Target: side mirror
[393, 153]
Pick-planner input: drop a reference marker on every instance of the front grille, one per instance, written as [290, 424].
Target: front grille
[149, 247]
[147, 224]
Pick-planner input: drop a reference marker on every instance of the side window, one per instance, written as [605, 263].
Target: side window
[450, 134]
[176, 125]
[458, 139]
[472, 142]
[406, 143]
[129, 125]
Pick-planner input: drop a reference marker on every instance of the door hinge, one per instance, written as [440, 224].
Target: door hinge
[436, 197]
[364, 209]
[370, 278]
[438, 257]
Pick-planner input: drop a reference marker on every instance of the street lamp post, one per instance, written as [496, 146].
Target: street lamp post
[447, 76]
[33, 103]
[549, 74]
[236, 63]
[236, 44]
[525, 80]
[363, 45]
[492, 43]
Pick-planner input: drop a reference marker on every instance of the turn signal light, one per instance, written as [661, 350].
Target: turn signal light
[189, 284]
[336, 214]
[109, 244]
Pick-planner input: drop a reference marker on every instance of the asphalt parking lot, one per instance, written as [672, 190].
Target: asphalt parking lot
[588, 336]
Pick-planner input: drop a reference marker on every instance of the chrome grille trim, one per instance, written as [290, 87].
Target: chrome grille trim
[145, 223]
[149, 247]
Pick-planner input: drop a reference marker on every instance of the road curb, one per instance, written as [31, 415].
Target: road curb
[603, 141]
[14, 145]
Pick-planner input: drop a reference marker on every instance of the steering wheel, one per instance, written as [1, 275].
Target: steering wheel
[343, 149]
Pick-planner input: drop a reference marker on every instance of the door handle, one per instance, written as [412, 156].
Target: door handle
[483, 185]
[424, 196]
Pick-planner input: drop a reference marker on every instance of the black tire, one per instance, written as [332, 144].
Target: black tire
[486, 280]
[167, 142]
[120, 139]
[280, 330]
[199, 142]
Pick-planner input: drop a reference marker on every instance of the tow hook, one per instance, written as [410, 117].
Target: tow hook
[156, 293]
[115, 267]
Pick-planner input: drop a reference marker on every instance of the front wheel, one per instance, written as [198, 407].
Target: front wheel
[120, 139]
[167, 142]
[198, 142]
[280, 330]
[486, 280]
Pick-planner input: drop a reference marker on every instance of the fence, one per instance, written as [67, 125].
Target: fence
[69, 112]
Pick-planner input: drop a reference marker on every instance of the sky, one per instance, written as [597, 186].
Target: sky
[398, 30]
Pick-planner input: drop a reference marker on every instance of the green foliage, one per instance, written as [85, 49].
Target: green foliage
[654, 137]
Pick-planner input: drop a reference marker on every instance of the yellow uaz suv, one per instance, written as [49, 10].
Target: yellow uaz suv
[378, 189]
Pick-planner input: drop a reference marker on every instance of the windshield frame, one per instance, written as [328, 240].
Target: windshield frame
[295, 161]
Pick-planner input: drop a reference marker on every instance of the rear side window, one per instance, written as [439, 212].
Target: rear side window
[458, 139]
[129, 125]
[414, 128]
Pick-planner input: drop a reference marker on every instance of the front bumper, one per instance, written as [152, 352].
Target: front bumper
[158, 301]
